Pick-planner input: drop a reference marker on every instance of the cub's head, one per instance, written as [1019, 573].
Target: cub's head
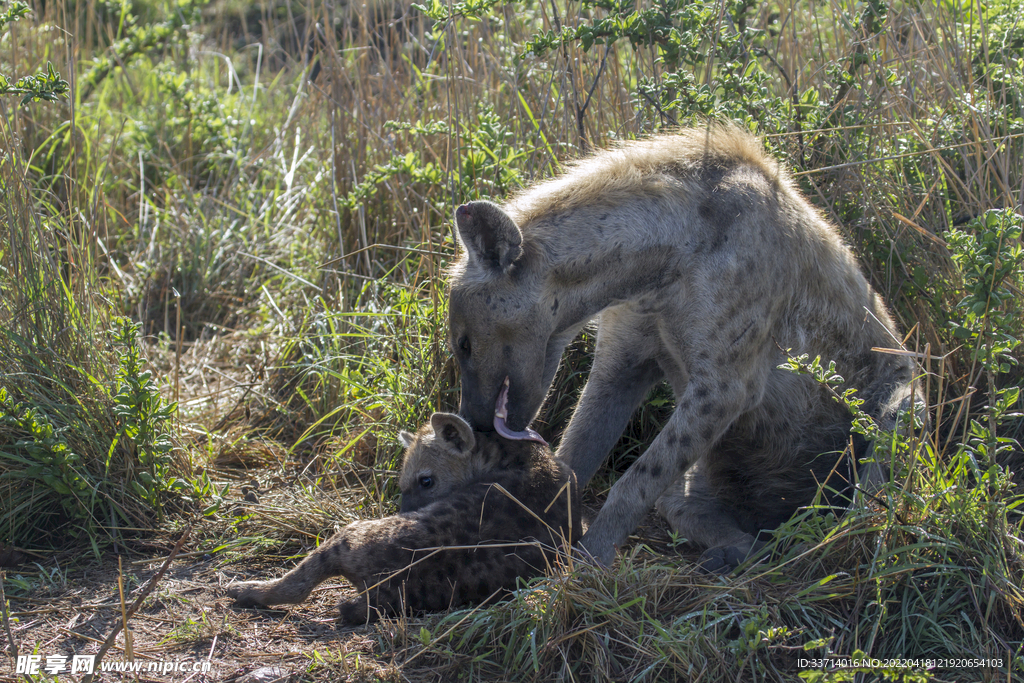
[499, 324]
[439, 459]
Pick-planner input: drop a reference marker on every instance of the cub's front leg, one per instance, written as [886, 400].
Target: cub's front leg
[364, 552]
[327, 561]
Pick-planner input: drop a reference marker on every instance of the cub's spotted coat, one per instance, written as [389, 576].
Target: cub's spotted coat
[497, 509]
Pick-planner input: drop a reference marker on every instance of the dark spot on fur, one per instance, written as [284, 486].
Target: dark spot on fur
[488, 300]
[673, 439]
[701, 392]
[706, 408]
[740, 335]
[641, 468]
[656, 471]
[708, 432]
[685, 441]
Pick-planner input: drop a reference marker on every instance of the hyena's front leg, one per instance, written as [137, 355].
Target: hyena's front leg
[323, 563]
[624, 370]
[705, 409]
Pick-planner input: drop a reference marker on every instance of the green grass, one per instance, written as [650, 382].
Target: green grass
[281, 243]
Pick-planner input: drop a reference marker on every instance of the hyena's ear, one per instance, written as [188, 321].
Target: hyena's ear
[406, 438]
[488, 234]
[454, 432]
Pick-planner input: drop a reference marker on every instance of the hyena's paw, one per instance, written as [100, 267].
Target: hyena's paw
[597, 548]
[254, 593]
[355, 612]
[724, 559]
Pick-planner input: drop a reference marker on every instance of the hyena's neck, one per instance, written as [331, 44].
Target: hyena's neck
[497, 453]
[583, 283]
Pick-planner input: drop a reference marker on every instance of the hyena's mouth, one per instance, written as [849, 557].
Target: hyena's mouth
[501, 412]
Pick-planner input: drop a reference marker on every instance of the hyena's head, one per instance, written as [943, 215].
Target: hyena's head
[439, 458]
[500, 325]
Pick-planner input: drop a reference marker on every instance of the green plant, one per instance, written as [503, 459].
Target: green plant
[140, 38]
[45, 85]
[142, 418]
[38, 455]
[990, 261]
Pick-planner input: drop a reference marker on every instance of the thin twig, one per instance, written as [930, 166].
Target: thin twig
[11, 646]
[138, 602]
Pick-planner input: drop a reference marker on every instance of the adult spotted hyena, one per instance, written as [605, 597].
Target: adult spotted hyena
[497, 508]
[704, 265]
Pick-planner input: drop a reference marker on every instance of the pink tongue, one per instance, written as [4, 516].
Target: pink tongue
[501, 412]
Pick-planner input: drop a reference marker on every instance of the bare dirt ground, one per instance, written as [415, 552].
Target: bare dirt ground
[186, 619]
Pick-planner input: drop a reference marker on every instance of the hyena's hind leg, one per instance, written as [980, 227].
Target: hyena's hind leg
[323, 563]
[697, 514]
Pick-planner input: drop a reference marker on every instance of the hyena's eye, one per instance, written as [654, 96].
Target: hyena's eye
[426, 482]
[464, 344]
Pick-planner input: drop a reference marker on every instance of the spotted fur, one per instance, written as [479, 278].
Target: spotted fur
[496, 509]
[703, 266]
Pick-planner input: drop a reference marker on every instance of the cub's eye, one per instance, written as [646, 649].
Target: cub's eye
[464, 344]
[426, 482]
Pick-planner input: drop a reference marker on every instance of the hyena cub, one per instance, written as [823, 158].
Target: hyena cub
[497, 510]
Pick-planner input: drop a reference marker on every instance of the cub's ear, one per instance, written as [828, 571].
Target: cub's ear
[488, 234]
[406, 438]
[453, 432]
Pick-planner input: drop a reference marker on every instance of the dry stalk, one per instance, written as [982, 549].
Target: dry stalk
[11, 645]
[128, 649]
[138, 601]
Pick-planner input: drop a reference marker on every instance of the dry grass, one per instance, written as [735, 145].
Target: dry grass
[282, 239]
